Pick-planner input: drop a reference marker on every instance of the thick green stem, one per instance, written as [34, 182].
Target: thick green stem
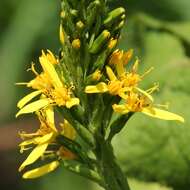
[114, 178]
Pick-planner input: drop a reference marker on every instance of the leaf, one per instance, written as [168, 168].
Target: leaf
[180, 29]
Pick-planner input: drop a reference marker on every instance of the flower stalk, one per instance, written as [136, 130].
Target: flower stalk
[92, 88]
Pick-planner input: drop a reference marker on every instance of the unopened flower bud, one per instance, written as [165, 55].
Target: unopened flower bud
[120, 25]
[113, 15]
[123, 16]
[112, 43]
[62, 14]
[100, 41]
[80, 24]
[61, 34]
[74, 12]
[76, 43]
[116, 57]
[96, 75]
[127, 56]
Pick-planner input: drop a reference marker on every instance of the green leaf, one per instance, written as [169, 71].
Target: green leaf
[180, 29]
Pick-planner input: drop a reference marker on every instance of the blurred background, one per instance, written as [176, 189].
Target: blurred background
[154, 154]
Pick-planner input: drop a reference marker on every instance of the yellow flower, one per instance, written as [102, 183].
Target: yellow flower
[121, 82]
[48, 84]
[143, 102]
[41, 139]
[115, 86]
[44, 136]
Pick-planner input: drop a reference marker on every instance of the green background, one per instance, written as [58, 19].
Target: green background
[148, 150]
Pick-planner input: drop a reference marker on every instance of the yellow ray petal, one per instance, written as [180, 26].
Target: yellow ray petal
[72, 102]
[27, 142]
[51, 57]
[50, 71]
[135, 66]
[120, 68]
[123, 95]
[162, 114]
[68, 130]
[44, 139]
[50, 117]
[41, 170]
[120, 109]
[27, 98]
[145, 94]
[34, 155]
[34, 106]
[110, 74]
[99, 88]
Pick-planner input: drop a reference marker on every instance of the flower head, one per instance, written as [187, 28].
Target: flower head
[143, 102]
[48, 84]
[119, 80]
[43, 139]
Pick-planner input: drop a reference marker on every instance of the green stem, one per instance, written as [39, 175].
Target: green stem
[113, 176]
[83, 171]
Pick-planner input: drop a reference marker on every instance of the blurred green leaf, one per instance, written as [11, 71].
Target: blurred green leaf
[30, 21]
[180, 29]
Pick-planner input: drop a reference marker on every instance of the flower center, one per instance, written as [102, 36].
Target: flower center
[115, 87]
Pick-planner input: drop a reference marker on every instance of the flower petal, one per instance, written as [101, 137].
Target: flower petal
[120, 109]
[72, 102]
[34, 155]
[44, 139]
[50, 117]
[120, 68]
[27, 98]
[110, 74]
[99, 88]
[27, 142]
[34, 106]
[162, 114]
[41, 170]
[68, 130]
[50, 71]
[145, 94]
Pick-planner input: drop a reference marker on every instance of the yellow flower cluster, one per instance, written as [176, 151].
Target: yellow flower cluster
[52, 92]
[44, 143]
[125, 84]
[48, 84]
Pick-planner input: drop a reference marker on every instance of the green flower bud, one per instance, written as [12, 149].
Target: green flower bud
[80, 25]
[120, 25]
[114, 15]
[74, 12]
[100, 41]
[92, 12]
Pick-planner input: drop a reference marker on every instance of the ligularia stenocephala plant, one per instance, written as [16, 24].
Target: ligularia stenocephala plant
[93, 88]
